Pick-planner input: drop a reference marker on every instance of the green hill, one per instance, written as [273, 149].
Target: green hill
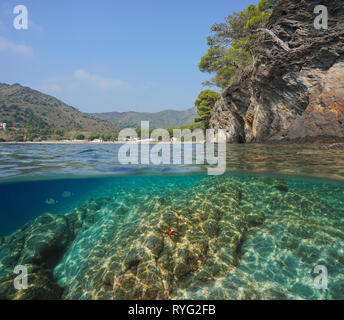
[163, 119]
[23, 108]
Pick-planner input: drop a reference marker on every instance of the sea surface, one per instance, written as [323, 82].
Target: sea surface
[256, 232]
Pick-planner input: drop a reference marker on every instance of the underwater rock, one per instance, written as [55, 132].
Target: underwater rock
[150, 265]
[254, 220]
[41, 286]
[39, 246]
[239, 237]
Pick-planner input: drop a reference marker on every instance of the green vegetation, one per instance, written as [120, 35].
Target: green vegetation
[107, 137]
[37, 116]
[138, 131]
[205, 103]
[163, 119]
[94, 136]
[103, 136]
[191, 127]
[233, 45]
[19, 138]
[80, 136]
[34, 132]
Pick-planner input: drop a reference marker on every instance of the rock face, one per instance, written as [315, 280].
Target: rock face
[295, 94]
[39, 246]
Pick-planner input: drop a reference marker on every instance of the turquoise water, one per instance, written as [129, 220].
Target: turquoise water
[23, 201]
[89, 228]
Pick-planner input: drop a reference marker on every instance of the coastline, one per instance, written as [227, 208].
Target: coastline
[316, 140]
[98, 142]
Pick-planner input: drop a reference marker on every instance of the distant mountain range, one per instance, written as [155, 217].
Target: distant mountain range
[163, 119]
[26, 110]
[21, 107]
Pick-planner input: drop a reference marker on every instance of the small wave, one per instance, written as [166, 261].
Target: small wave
[87, 151]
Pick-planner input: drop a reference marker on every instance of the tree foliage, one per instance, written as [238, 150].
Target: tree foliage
[205, 103]
[80, 136]
[233, 43]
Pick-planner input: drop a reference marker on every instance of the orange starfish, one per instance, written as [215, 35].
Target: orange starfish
[171, 233]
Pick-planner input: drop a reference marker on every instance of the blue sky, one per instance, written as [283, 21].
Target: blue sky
[111, 55]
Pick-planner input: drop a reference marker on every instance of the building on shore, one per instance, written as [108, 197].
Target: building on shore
[3, 126]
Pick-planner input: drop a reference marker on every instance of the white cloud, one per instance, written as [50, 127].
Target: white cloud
[97, 80]
[20, 49]
[51, 88]
[78, 80]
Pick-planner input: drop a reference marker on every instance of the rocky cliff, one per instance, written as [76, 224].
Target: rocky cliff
[293, 92]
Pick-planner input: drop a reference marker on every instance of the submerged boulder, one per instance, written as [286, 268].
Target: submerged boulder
[238, 237]
[39, 246]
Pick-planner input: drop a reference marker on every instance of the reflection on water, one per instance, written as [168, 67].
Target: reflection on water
[63, 160]
[296, 160]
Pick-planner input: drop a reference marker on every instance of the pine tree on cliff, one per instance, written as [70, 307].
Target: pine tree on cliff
[205, 103]
[233, 45]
